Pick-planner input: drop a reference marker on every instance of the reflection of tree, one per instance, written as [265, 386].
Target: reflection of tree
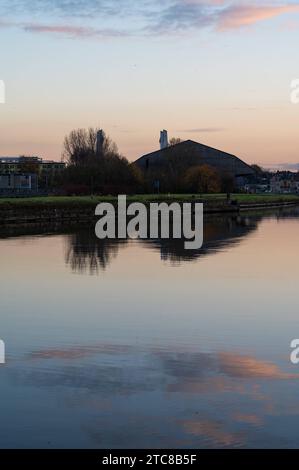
[85, 252]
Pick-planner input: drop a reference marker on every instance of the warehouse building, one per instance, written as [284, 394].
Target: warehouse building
[190, 153]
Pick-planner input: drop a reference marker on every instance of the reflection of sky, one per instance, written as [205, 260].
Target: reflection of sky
[148, 353]
[204, 70]
[180, 397]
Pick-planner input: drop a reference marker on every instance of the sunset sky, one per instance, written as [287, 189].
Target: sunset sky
[218, 72]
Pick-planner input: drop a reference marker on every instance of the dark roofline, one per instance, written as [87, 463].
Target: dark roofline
[194, 142]
[161, 150]
[184, 142]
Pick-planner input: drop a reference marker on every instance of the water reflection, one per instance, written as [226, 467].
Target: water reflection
[86, 253]
[102, 377]
[220, 232]
[152, 356]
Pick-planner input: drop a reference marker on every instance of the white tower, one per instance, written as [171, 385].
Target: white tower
[163, 139]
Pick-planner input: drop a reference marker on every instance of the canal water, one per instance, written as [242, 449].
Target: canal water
[144, 344]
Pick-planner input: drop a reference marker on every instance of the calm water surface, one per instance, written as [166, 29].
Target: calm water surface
[142, 344]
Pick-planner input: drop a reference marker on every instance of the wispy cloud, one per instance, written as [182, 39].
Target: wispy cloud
[217, 15]
[237, 16]
[202, 130]
[182, 16]
[143, 18]
[284, 166]
[73, 31]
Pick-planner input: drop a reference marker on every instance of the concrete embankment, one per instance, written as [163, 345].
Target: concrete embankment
[14, 214]
[266, 205]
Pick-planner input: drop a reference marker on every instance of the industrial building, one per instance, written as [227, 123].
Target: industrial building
[26, 175]
[17, 165]
[190, 153]
[19, 184]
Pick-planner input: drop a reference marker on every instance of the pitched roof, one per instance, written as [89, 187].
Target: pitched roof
[205, 154]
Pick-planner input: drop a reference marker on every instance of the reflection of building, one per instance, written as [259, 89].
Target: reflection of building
[86, 253]
[219, 232]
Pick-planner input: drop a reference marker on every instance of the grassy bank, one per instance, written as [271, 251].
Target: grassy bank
[92, 200]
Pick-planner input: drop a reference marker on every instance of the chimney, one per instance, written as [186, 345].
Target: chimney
[100, 143]
[163, 139]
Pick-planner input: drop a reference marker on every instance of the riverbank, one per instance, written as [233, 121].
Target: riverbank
[91, 200]
[81, 208]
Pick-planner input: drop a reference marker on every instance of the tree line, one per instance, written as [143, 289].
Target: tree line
[88, 172]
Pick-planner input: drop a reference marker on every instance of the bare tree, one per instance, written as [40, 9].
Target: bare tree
[93, 169]
[175, 141]
[79, 147]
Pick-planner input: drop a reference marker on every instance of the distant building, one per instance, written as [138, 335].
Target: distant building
[19, 165]
[190, 153]
[284, 183]
[18, 183]
[27, 175]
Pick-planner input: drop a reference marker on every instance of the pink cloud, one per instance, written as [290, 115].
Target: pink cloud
[213, 430]
[247, 367]
[63, 29]
[71, 31]
[238, 16]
